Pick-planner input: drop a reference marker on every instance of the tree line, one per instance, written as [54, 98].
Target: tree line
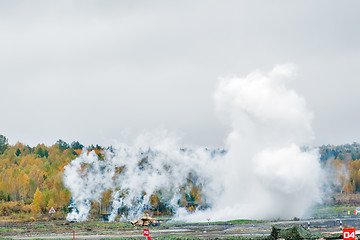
[343, 163]
[31, 179]
[31, 182]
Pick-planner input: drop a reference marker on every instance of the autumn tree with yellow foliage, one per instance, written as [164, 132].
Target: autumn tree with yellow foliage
[37, 203]
[31, 179]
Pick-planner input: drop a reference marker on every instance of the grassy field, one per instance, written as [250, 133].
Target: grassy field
[330, 211]
[166, 237]
[95, 227]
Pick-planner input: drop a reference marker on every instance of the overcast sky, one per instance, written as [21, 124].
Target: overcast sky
[102, 72]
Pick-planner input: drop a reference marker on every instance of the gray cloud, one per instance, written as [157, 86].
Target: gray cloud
[98, 71]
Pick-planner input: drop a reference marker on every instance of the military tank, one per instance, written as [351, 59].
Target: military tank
[145, 221]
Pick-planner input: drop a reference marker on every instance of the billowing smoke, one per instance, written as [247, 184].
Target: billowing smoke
[266, 173]
[134, 173]
[268, 170]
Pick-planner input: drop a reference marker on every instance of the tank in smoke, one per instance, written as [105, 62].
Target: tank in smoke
[146, 220]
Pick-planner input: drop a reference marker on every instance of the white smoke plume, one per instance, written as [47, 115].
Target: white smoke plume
[266, 173]
[134, 173]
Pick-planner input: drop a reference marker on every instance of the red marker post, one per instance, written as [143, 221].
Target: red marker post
[146, 233]
[349, 234]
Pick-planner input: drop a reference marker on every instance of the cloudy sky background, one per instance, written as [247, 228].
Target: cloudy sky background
[105, 71]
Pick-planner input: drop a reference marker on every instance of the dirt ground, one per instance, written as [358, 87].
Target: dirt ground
[99, 230]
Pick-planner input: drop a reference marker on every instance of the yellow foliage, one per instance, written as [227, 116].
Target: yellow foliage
[191, 208]
[4, 210]
[37, 202]
[51, 204]
[154, 201]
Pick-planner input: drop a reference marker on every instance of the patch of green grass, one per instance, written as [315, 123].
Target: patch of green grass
[180, 237]
[39, 226]
[237, 221]
[176, 237]
[327, 211]
[8, 230]
[245, 238]
[241, 221]
[105, 224]
[49, 238]
[124, 238]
